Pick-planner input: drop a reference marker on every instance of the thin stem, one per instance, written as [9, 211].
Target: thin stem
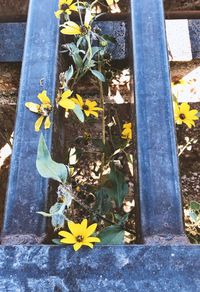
[102, 105]
[83, 205]
[79, 12]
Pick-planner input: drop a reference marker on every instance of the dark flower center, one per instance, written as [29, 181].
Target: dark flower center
[84, 30]
[182, 116]
[45, 110]
[79, 238]
[86, 107]
[64, 7]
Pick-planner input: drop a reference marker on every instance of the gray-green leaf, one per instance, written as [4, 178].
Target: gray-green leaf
[79, 113]
[46, 166]
[112, 235]
[98, 74]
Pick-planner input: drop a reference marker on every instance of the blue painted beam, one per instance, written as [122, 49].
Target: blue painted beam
[12, 41]
[103, 269]
[27, 191]
[13, 35]
[160, 204]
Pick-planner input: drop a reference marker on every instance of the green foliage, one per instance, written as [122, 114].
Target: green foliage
[112, 235]
[69, 73]
[195, 206]
[79, 113]
[117, 187]
[98, 74]
[47, 167]
[103, 202]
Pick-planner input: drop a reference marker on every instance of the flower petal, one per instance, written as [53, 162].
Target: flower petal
[84, 225]
[91, 229]
[184, 107]
[80, 100]
[88, 244]
[92, 239]
[66, 93]
[67, 103]
[47, 123]
[43, 97]
[75, 228]
[38, 123]
[68, 2]
[34, 107]
[77, 246]
[58, 13]
[68, 237]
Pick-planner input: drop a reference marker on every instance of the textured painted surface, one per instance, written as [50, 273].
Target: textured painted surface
[183, 39]
[13, 34]
[26, 189]
[109, 269]
[194, 28]
[12, 41]
[159, 186]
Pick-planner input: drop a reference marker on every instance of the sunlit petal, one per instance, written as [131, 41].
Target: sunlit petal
[38, 123]
[91, 229]
[34, 107]
[47, 123]
[43, 97]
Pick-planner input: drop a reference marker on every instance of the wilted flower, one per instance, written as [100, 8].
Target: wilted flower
[43, 110]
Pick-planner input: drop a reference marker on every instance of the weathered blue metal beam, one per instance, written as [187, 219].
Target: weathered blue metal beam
[106, 268]
[12, 41]
[161, 217]
[27, 191]
[13, 34]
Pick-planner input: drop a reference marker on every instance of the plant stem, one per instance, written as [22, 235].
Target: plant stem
[83, 205]
[103, 112]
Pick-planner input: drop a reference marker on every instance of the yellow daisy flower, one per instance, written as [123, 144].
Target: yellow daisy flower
[80, 234]
[127, 131]
[66, 102]
[183, 114]
[179, 82]
[65, 6]
[43, 110]
[89, 107]
[72, 28]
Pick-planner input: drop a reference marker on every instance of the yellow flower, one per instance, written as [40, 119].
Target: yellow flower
[179, 82]
[43, 110]
[127, 131]
[80, 234]
[183, 114]
[72, 28]
[65, 6]
[89, 107]
[65, 101]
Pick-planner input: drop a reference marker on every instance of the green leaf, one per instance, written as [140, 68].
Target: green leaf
[79, 113]
[194, 206]
[109, 38]
[95, 50]
[119, 187]
[98, 74]
[69, 73]
[193, 216]
[44, 214]
[46, 166]
[198, 114]
[103, 202]
[56, 241]
[112, 235]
